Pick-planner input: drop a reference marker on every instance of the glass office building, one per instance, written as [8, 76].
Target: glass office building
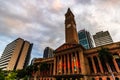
[85, 39]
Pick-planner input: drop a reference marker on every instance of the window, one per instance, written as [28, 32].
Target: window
[93, 78]
[100, 78]
[86, 46]
[104, 66]
[96, 63]
[83, 42]
[116, 78]
[108, 78]
[90, 65]
[81, 35]
[117, 58]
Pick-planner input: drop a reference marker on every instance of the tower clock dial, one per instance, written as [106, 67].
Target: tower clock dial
[73, 25]
[68, 25]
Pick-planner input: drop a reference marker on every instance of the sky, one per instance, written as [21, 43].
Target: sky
[41, 22]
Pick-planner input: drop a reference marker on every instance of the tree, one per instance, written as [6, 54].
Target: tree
[2, 77]
[11, 76]
[107, 57]
[21, 73]
[30, 70]
[44, 68]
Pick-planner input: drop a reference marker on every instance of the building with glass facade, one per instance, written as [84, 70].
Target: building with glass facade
[48, 52]
[85, 39]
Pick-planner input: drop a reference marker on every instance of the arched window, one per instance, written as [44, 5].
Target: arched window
[93, 78]
[116, 78]
[108, 78]
[104, 66]
[90, 65]
[117, 59]
[100, 78]
[96, 63]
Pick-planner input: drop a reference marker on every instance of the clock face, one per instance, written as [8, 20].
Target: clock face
[74, 26]
[68, 25]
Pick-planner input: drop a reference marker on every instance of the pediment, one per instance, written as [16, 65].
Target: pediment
[65, 46]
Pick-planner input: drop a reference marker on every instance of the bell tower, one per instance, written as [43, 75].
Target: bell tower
[71, 35]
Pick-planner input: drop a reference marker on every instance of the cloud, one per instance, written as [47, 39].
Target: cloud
[83, 1]
[42, 21]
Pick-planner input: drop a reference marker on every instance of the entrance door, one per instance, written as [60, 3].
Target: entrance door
[58, 78]
[75, 79]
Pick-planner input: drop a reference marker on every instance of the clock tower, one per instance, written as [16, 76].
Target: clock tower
[71, 35]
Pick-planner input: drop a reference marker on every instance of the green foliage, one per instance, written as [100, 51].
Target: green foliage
[21, 73]
[105, 55]
[11, 76]
[43, 67]
[2, 77]
[25, 78]
[31, 69]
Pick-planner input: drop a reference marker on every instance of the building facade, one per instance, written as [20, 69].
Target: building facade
[102, 38]
[48, 52]
[73, 62]
[85, 39]
[16, 55]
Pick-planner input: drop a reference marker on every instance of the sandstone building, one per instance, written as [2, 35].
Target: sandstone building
[72, 61]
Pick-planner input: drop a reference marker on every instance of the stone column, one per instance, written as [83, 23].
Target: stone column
[65, 64]
[100, 65]
[54, 66]
[94, 67]
[62, 78]
[57, 65]
[61, 64]
[68, 60]
[82, 62]
[50, 69]
[72, 63]
[76, 63]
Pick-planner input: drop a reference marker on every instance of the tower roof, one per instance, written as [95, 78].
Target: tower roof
[69, 12]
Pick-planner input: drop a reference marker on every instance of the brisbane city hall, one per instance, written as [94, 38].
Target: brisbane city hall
[71, 61]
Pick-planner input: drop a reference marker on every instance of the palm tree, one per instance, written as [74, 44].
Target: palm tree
[21, 73]
[31, 69]
[107, 57]
[44, 68]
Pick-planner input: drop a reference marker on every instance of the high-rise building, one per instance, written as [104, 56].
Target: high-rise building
[48, 52]
[102, 38]
[16, 55]
[85, 39]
